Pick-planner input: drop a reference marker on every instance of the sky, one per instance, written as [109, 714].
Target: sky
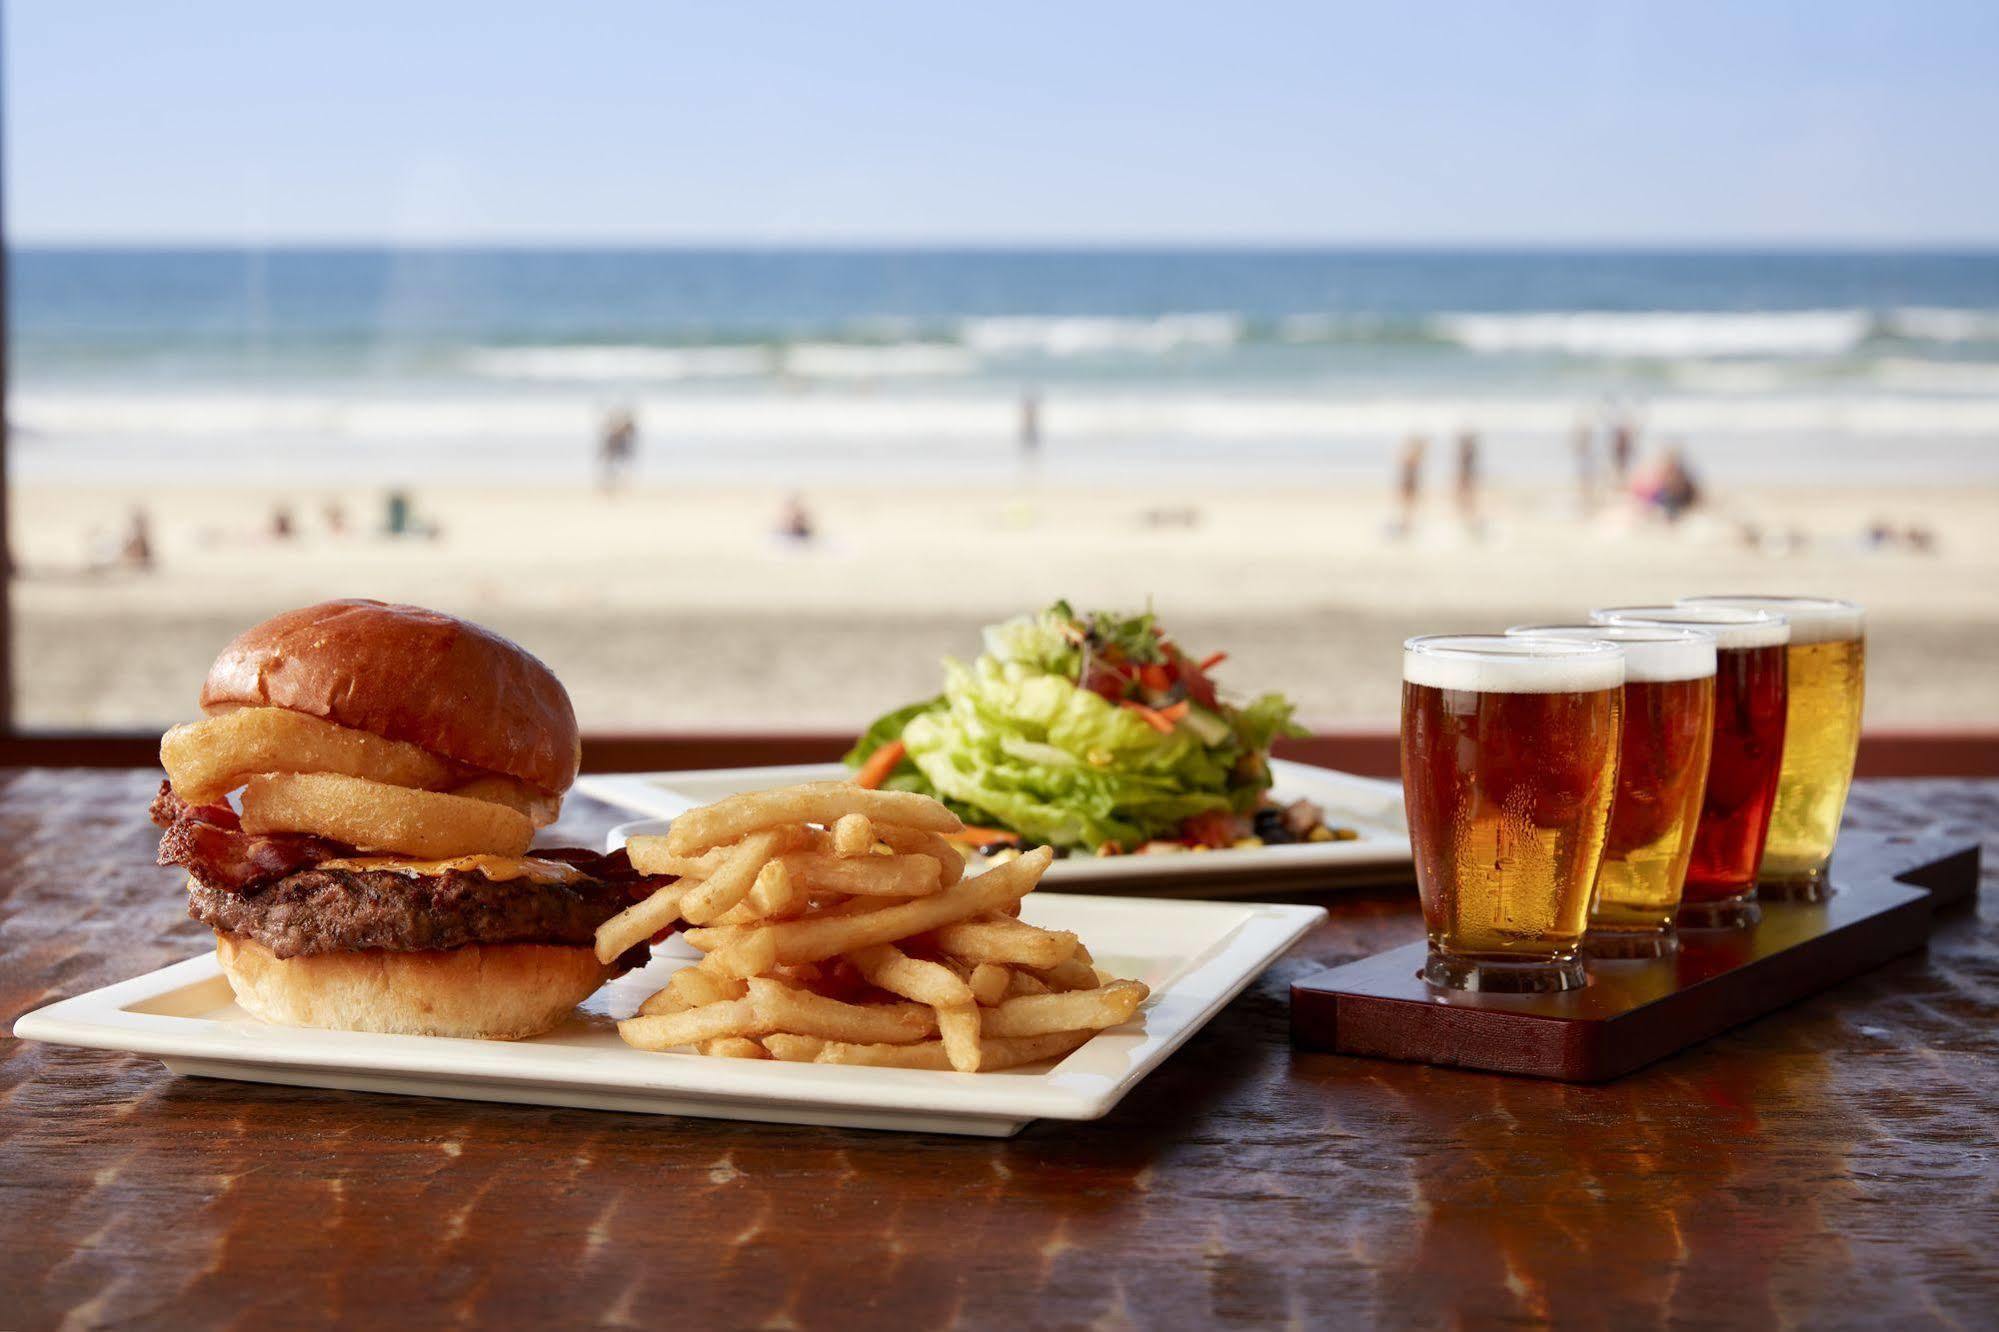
[1451, 122]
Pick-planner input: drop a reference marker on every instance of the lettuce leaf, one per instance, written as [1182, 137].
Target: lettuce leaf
[1015, 742]
[1059, 764]
[888, 728]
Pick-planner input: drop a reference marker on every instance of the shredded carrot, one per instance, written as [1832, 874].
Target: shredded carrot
[1153, 717]
[880, 764]
[1175, 711]
[1212, 660]
[981, 836]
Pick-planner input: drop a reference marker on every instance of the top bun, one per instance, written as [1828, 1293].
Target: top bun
[459, 690]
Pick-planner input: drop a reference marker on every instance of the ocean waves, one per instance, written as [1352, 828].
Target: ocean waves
[1200, 422]
[1221, 342]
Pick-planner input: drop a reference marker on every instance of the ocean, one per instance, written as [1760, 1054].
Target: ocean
[1226, 367]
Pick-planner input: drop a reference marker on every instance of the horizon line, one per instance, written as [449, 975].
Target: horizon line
[1745, 246]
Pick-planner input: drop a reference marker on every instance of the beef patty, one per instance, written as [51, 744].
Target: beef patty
[344, 910]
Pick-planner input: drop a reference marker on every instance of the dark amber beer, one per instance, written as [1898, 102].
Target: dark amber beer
[1751, 693]
[1661, 775]
[1827, 660]
[1509, 761]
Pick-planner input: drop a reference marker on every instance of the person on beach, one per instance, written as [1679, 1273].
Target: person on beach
[1408, 484]
[1583, 442]
[399, 518]
[1468, 482]
[1623, 444]
[794, 522]
[1668, 485]
[617, 448]
[137, 551]
[1030, 428]
[1678, 490]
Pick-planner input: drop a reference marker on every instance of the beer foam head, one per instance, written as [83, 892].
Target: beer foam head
[1497, 664]
[1650, 655]
[1813, 619]
[1733, 627]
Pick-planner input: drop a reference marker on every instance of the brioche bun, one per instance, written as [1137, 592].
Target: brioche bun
[405, 673]
[495, 992]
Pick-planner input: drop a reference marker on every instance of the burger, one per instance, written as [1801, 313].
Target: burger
[389, 768]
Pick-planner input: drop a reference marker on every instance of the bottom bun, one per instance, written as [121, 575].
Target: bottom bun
[498, 992]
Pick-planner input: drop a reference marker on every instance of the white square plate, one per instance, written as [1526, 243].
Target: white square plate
[1371, 807]
[1196, 956]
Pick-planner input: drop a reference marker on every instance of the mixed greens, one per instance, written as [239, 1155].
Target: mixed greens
[1087, 732]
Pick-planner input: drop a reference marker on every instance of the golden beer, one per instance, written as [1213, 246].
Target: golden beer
[1667, 730]
[1827, 668]
[1509, 762]
[1745, 755]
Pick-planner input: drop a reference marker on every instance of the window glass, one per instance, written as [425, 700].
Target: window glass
[744, 365]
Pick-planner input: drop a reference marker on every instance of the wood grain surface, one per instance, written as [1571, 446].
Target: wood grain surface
[1831, 1166]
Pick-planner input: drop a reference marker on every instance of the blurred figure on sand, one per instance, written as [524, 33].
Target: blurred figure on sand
[1030, 428]
[617, 449]
[1583, 442]
[1667, 484]
[1623, 443]
[399, 518]
[1468, 482]
[136, 552]
[1408, 484]
[794, 522]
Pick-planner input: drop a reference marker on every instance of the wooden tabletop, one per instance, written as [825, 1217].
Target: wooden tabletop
[1834, 1165]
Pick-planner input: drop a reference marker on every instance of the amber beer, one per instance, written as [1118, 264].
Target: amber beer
[1827, 668]
[1750, 697]
[1661, 776]
[1509, 760]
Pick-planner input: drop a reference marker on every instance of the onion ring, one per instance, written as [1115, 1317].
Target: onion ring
[370, 816]
[518, 796]
[206, 760]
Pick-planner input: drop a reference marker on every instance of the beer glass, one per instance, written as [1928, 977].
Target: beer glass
[1827, 666]
[1750, 694]
[1509, 761]
[1661, 774]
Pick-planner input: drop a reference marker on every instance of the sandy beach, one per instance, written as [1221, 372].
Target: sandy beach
[678, 607]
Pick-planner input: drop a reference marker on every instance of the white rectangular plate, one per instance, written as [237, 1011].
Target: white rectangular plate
[1371, 807]
[1196, 956]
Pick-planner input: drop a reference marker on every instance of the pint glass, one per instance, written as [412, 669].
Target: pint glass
[1827, 666]
[1750, 693]
[1661, 775]
[1509, 761]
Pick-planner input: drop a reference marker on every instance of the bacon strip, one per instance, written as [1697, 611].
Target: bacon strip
[208, 842]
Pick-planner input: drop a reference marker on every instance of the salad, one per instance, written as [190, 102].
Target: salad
[1092, 733]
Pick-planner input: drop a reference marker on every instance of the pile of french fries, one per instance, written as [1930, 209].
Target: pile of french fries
[837, 927]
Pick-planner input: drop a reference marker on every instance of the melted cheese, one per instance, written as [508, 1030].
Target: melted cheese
[497, 868]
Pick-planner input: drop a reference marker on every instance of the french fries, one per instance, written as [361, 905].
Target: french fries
[853, 835]
[889, 968]
[816, 802]
[732, 880]
[837, 927]
[872, 876]
[1004, 939]
[988, 983]
[995, 1054]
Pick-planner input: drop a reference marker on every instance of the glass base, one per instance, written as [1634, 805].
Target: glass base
[1504, 975]
[1728, 913]
[1795, 886]
[1618, 944]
